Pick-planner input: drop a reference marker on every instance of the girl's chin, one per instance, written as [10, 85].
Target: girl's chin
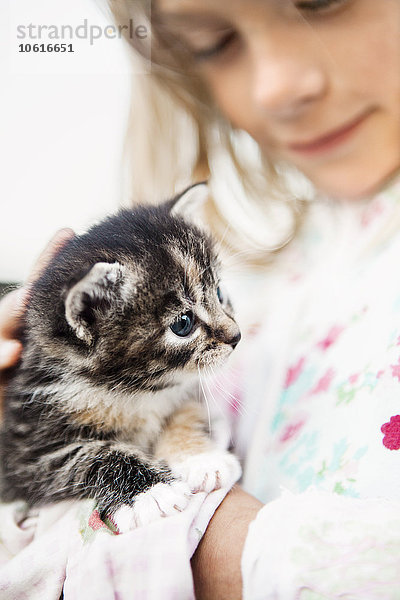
[347, 186]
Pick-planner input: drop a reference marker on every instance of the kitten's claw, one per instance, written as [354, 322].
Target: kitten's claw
[208, 471]
[162, 500]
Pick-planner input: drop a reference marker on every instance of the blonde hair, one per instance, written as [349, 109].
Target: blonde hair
[177, 136]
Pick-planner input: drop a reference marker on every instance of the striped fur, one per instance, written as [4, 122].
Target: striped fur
[103, 376]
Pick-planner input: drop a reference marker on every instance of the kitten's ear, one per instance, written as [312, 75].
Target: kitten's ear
[190, 201]
[100, 290]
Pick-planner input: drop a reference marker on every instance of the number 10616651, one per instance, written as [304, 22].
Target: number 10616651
[45, 48]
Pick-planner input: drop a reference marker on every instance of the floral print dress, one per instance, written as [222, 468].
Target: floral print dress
[317, 405]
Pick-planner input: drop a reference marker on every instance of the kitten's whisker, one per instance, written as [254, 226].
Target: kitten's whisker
[237, 261]
[184, 276]
[222, 239]
[216, 403]
[206, 401]
[244, 253]
[235, 402]
[207, 268]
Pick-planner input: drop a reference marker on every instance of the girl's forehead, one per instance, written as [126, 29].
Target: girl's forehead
[223, 7]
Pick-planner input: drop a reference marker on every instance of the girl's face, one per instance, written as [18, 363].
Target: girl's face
[314, 82]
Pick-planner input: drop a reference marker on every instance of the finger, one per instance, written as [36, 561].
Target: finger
[12, 308]
[55, 244]
[10, 351]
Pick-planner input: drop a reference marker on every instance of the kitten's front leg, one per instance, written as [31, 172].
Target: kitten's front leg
[113, 473]
[192, 456]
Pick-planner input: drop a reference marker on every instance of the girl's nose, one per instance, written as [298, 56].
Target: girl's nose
[287, 81]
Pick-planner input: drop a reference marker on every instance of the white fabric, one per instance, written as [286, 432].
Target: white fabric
[319, 546]
[68, 545]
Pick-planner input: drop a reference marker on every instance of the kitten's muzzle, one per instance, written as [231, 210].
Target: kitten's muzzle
[235, 340]
[230, 338]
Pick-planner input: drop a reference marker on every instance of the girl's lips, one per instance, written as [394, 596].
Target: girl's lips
[330, 140]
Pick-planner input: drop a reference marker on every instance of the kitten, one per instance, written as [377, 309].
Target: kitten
[103, 404]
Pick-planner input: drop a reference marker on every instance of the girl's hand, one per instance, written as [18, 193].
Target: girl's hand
[11, 311]
[12, 306]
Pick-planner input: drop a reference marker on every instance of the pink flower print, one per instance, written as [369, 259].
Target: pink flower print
[95, 521]
[296, 277]
[396, 370]
[380, 373]
[324, 383]
[253, 329]
[372, 213]
[354, 378]
[330, 338]
[290, 431]
[392, 433]
[293, 372]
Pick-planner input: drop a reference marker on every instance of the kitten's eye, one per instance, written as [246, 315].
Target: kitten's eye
[183, 324]
[220, 295]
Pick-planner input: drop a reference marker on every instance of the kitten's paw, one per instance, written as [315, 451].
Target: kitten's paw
[162, 500]
[208, 471]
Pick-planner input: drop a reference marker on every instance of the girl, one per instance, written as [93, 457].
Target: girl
[316, 84]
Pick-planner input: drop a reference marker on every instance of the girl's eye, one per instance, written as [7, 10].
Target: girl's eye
[317, 5]
[183, 325]
[216, 49]
[220, 295]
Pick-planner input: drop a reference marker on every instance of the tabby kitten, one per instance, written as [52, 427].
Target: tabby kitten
[102, 404]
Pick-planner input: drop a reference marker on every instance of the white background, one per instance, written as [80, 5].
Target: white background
[62, 127]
